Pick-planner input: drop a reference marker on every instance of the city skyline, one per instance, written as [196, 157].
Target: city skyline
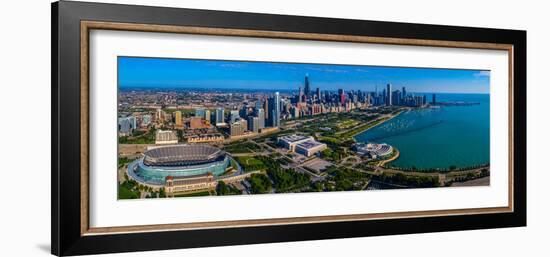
[321, 135]
[138, 72]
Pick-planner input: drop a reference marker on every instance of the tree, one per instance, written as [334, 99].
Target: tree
[318, 186]
[259, 183]
[222, 188]
[125, 193]
[287, 180]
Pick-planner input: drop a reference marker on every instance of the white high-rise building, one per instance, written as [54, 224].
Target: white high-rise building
[220, 116]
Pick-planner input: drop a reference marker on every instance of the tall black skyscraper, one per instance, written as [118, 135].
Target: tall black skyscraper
[307, 89]
[327, 96]
[318, 93]
[388, 95]
[433, 99]
[404, 93]
[267, 110]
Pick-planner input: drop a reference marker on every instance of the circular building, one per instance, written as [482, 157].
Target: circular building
[373, 150]
[178, 161]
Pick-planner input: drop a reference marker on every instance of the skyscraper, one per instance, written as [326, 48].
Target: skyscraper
[253, 124]
[418, 100]
[278, 107]
[160, 114]
[396, 97]
[318, 93]
[295, 112]
[133, 120]
[342, 96]
[300, 95]
[275, 108]
[207, 115]
[233, 115]
[388, 95]
[266, 109]
[199, 112]
[244, 112]
[238, 127]
[286, 107]
[258, 104]
[220, 116]
[404, 92]
[146, 120]
[368, 101]
[307, 89]
[261, 118]
[178, 118]
[433, 98]
[126, 125]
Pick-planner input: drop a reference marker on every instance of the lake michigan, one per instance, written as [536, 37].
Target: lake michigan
[438, 137]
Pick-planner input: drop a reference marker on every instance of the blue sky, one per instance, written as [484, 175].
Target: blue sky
[188, 73]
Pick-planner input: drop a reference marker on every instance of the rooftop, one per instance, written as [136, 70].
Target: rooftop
[293, 138]
[182, 154]
[310, 144]
[206, 135]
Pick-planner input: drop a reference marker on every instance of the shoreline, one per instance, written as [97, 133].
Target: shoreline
[393, 158]
[442, 170]
[428, 170]
[382, 121]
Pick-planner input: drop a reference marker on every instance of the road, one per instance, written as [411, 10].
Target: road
[393, 158]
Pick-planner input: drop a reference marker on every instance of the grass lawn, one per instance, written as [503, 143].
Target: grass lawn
[125, 193]
[362, 128]
[330, 140]
[347, 124]
[249, 163]
[242, 147]
[142, 138]
[202, 193]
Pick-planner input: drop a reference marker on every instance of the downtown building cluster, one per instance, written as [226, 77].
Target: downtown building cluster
[266, 112]
[269, 112]
[342, 100]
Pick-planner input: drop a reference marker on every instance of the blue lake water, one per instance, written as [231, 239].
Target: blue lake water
[438, 137]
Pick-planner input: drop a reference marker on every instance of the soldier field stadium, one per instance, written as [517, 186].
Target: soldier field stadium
[185, 168]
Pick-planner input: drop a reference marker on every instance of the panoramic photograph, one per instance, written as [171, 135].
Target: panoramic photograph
[193, 127]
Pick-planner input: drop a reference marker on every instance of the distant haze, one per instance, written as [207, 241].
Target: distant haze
[203, 74]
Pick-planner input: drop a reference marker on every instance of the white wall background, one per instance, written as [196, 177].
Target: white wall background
[25, 127]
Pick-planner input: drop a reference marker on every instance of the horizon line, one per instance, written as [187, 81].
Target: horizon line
[198, 88]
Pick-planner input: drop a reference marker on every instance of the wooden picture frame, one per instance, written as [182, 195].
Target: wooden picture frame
[71, 24]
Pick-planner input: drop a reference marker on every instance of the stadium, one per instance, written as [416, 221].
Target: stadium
[178, 161]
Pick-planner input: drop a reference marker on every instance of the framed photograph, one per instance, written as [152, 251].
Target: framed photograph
[178, 128]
